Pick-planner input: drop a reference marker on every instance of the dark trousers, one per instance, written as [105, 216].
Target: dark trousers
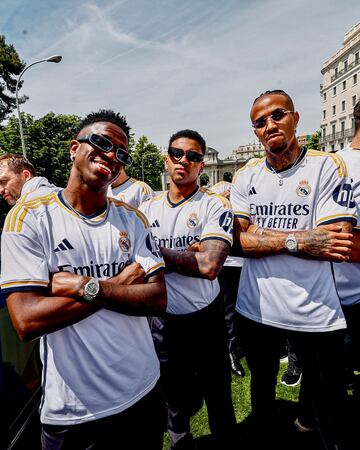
[229, 278]
[321, 357]
[352, 341]
[137, 428]
[188, 345]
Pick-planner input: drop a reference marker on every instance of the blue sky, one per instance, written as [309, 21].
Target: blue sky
[173, 64]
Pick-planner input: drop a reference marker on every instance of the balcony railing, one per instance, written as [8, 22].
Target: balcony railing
[345, 69]
[349, 132]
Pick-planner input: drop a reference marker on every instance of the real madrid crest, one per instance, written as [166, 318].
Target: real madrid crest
[124, 242]
[192, 221]
[304, 189]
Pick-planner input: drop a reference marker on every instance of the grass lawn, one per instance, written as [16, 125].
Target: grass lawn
[287, 398]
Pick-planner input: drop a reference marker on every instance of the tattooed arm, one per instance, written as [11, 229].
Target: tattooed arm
[203, 260]
[330, 242]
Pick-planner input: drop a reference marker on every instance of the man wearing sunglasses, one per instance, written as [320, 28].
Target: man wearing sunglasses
[294, 212]
[82, 271]
[193, 228]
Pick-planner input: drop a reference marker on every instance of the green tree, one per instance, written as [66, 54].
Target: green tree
[10, 68]
[148, 162]
[313, 141]
[228, 176]
[204, 179]
[47, 143]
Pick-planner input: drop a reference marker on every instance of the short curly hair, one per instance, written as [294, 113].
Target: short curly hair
[277, 92]
[105, 115]
[190, 134]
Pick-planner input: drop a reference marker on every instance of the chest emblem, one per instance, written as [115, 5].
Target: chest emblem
[124, 242]
[304, 189]
[193, 220]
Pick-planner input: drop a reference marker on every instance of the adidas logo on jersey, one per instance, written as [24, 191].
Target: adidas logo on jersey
[63, 246]
[155, 224]
[252, 191]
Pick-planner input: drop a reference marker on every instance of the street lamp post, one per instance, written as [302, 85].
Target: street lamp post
[142, 162]
[54, 59]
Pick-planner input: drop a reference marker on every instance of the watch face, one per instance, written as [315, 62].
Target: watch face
[291, 243]
[92, 288]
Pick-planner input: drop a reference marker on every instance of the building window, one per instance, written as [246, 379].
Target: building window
[355, 78]
[336, 72]
[354, 100]
[323, 149]
[342, 126]
[333, 147]
[343, 105]
[324, 132]
[333, 129]
[324, 96]
[341, 145]
[344, 85]
[334, 110]
[356, 57]
[352, 122]
[324, 114]
[334, 90]
[345, 65]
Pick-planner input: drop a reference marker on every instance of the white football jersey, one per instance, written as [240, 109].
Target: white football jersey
[131, 191]
[347, 275]
[201, 216]
[221, 187]
[283, 290]
[106, 362]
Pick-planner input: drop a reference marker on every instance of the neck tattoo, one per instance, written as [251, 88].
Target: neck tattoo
[281, 179]
[87, 219]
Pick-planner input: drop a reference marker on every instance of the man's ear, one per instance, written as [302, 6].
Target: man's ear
[74, 145]
[26, 175]
[201, 168]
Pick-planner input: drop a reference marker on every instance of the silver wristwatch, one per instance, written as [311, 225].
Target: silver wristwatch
[91, 290]
[291, 243]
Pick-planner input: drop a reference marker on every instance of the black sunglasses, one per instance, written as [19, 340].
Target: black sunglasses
[191, 155]
[105, 145]
[276, 116]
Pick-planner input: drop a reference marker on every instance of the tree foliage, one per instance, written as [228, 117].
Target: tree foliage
[47, 143]
[148, 162]
[313, 141]
[10, 68]
[204, 179]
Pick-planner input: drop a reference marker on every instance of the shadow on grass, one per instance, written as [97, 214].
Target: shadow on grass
[283, 435]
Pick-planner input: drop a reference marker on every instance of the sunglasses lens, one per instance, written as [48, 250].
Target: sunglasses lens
[176, 153]
[124, 157]
[101, 142]
[194, 156]
[259, 123]
[278, 114]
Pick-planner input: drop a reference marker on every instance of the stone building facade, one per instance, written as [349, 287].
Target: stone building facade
[340, 90]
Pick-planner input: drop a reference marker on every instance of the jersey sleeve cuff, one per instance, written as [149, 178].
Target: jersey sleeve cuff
[333, 219]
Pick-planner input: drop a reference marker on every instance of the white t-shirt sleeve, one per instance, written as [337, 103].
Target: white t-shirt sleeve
[24, 263]
[239, 198]
[146, 251]
[219, 223]
[335, 201]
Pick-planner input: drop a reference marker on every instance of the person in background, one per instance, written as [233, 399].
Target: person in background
[229, 277]
[18, 178]
[130, 190]
[347, 275]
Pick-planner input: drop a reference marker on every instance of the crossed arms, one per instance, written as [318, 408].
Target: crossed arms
[35, 313]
